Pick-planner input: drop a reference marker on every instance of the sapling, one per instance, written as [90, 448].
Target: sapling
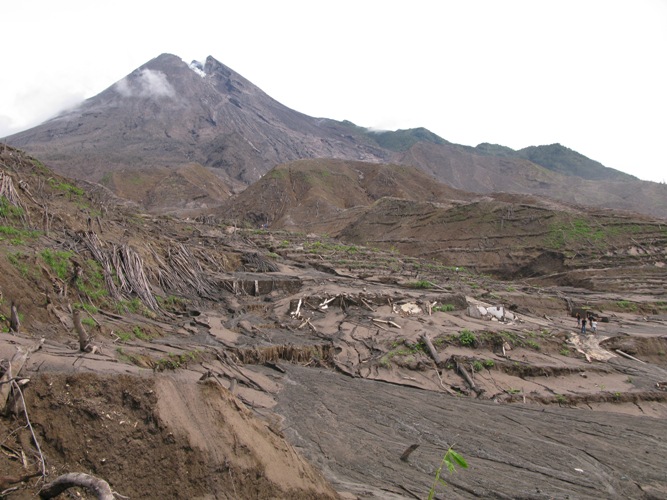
[451, 460]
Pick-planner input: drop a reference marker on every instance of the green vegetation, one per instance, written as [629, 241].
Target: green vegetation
[88, 322]
[129, 306]
[444, 308]
[8, 210]
[17, 235]
[16, 259]
[58, 261]
[422, 284]
[172, 303]
[320, 246]
[467, 338]
[451, 460]
[137, 332]
[626, 305]
[66, 187]
[477, 366]
[174, 361]
[488, 363]
[402, 347]
[91, 281]
[532, 344]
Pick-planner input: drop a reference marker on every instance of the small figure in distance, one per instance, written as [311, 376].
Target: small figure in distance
[594, 326]
[583, 325]
[578, 316]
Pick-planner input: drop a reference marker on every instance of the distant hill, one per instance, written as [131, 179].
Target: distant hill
[568, 162]
[558, 159]
[396, 207]
[322, 195]
[168, 115]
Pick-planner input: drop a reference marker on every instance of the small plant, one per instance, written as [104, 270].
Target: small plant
[512, 390]
[139, 333]
[488, 363]
[477, 366]
[564, 351]
[422, 284]
[561, 399]
[532, 344]
[451, 460]
[444, 308]
[124, 336]
[467, 338]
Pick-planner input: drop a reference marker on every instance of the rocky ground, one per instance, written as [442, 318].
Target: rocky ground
[282, 365]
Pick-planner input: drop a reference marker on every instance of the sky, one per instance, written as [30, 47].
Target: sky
[588, 74]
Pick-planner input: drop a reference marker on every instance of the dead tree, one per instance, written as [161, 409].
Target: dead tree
[94, 484]
[14, 321]
[84, 340]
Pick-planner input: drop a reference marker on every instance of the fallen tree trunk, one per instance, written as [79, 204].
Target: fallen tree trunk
[467, 377]
[431, 349]
[94, 484]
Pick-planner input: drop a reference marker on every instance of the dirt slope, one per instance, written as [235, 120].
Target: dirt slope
[217, 360]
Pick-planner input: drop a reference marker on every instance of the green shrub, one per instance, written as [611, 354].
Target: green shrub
[467, 338]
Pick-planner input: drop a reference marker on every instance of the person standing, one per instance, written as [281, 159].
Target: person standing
[583, 325]
[578, 316]
[594, 326]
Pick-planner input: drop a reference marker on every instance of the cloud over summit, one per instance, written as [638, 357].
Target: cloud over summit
[148, 83]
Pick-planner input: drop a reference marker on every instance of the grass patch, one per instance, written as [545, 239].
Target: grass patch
[58, 261]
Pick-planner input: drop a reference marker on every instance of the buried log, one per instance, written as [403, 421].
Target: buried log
[466, 376]
[98, 486]
[431, 349]
[626, 355]
[408, 451]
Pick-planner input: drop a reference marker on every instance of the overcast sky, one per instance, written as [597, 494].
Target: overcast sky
[589, 74]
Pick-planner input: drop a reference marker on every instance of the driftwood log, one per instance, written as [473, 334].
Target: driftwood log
[94, 484]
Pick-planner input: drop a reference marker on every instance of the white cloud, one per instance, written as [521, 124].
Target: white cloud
[148, 83]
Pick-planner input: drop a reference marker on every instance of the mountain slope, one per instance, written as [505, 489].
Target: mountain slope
[167, 114]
